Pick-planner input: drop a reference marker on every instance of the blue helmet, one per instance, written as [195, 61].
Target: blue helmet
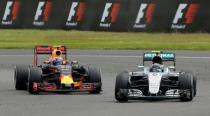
[57, 61]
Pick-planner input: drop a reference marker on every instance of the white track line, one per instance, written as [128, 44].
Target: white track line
[111, 56]
[121, 56]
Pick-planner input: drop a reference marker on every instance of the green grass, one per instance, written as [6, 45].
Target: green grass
[14, 39]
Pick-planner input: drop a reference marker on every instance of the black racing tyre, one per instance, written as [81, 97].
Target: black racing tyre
[195, 85]
[21, 77]
[94, 75]
[194, 81]
[122, 82]
[186, 85]
[34, 76]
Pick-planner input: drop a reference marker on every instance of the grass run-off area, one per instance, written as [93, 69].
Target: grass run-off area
[21, 39]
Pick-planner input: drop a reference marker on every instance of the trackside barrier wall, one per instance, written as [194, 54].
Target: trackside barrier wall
[107, 15]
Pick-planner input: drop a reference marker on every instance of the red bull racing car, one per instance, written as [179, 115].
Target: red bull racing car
[57, 74]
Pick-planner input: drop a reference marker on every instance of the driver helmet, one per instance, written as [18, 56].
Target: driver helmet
[157, 59]
[156, 67]
[56, 53]
[57, 61]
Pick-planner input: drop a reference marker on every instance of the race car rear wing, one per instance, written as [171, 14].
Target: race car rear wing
[166, 56]
[46, 49]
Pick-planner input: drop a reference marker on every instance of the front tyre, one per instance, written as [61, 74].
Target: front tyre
[95, 78]
[195, 85]
[34, 77]
[186, 84]
[21, 77]
[121, 86]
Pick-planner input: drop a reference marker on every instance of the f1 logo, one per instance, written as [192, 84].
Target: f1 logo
[185, 14]
[110, 14]
[76, 13]
[42, 13]
[145, 15]
[179, 13]
[11, 12]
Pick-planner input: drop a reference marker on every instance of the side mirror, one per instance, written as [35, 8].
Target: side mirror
[65, 62]
[46, 62]
[171, 68]
[140, 66]
[74, 62]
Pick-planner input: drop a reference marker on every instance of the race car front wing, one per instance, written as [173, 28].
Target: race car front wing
[136, 94]
[51, 87]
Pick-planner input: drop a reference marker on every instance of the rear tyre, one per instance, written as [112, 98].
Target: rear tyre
[21, 77]
[34, 76]
[186, 84]
[122, 83]
[95, 78]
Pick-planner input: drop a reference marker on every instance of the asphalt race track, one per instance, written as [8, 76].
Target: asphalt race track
[20, 103]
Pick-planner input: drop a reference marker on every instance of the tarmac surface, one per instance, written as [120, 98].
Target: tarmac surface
[111, 62]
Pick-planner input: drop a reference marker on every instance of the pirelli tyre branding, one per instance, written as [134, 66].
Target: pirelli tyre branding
[76, 13]
[43, 12]
[110, 14]
[145, 15]
[185, 15]
[11, 12]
